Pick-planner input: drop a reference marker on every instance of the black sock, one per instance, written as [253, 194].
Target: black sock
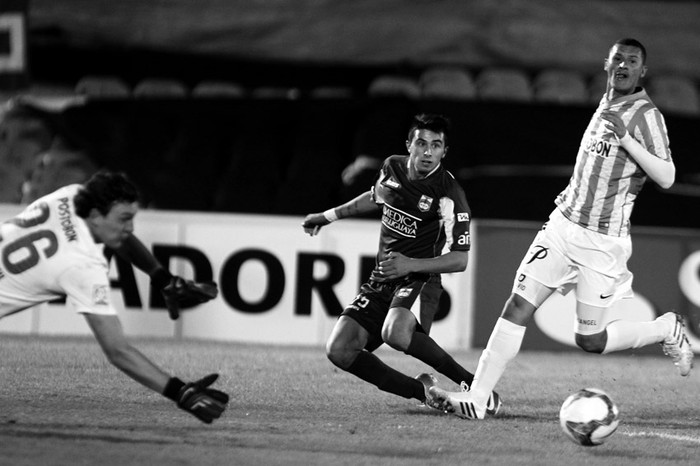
[424, 348]
[371, 369]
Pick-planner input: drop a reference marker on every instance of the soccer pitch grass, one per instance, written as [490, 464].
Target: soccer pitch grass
[62, 403]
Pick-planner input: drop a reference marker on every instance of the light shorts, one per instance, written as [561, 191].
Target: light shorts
[565, 255]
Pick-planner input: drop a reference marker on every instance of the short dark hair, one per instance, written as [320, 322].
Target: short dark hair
[432, 122]
[633, 43]
[102, 191]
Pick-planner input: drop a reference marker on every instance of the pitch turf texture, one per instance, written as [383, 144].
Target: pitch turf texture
[62, 403]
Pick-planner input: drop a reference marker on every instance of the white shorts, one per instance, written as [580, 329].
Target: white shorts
[565, 255]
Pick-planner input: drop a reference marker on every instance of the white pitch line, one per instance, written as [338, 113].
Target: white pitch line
[683, 438]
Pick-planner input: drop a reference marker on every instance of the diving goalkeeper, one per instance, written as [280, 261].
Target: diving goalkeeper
[56, 247]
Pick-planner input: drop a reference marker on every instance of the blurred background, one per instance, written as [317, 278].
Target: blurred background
[287, 106]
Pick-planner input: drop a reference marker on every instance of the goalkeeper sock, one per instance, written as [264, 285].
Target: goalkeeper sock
[625, 334]
[502, 347]
[371, 369]
[424, 348]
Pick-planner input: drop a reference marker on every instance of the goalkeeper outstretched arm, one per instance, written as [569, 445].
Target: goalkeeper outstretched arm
[196, 398]
[362, 204]
[178, 293]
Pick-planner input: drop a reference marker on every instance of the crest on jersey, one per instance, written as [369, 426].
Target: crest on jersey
[425, 203]
[404, 292]
[100, 294]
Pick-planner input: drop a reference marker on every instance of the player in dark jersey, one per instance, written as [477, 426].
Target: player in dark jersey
[425, 222]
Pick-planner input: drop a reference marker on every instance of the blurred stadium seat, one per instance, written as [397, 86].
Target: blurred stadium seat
[394, 86]
[218, 89]
[331, 92]
[503, 84]
[275, 92]
[560, 86]
[154, 87]
[596, 87]
[102, 87]
[450, 83]
[675, 94]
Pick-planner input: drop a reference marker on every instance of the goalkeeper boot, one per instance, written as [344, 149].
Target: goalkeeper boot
[494, 403]
[460, 404]
[676, 344]
[429, 380]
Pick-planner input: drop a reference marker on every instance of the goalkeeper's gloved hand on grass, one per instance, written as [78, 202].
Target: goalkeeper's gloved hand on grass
[197, 399]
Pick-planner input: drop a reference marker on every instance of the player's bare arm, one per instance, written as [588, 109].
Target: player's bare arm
[397, 265]
[110, 335]
[663, 172]
[362, 204]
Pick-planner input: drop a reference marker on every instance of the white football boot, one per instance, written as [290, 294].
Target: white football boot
[493, 405]
[459, 403]
[676, 344]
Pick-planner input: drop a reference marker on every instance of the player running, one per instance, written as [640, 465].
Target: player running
[424, 211]
[56, 247]
[586, 242]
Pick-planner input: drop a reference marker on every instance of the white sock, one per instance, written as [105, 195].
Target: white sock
[627, 334]
[502, 347]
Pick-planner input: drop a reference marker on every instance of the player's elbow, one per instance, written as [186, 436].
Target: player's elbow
[461, 263]
[667, 178]
[118, 355]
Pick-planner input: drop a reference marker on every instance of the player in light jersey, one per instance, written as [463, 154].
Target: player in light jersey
[55, 248]
[586, 243]
[424, 212]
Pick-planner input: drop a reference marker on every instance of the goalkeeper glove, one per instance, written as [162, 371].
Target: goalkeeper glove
[179, 293]
[206, 404]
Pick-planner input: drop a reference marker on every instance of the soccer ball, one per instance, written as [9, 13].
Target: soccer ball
[588, 417]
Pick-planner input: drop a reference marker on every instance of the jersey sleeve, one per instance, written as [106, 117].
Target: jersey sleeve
[652, 133]
[381, 174]
[456, 218]
[87, 289]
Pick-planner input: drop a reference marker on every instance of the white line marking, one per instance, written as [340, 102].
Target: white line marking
[684, 438]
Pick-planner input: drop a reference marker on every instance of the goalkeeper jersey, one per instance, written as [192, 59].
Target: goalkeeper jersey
[606, 179]
[420, 218]
[47, 252]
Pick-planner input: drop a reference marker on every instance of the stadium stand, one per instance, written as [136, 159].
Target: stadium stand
[596, 88]
[157, 88]
[386, 85]
[103, 87]
[447, 83]
[218, 89]
[675, 94]
[560, 86]
[331, 92]
[504, 84]
[275, 92]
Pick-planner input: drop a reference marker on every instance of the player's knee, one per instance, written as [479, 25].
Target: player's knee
[397, 337]
[591, 343]
[518, 310]
[339, 354]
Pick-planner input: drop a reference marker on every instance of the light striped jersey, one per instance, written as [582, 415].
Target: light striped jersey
[606, 179]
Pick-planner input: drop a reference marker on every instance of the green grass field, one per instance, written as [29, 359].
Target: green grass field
[62, 403]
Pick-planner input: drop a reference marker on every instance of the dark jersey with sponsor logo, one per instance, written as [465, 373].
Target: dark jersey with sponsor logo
[420, 218]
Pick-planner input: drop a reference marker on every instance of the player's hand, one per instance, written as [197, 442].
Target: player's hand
[205, 403]
[615, 124]
[182, 294]
[313, 222]
[394, 265]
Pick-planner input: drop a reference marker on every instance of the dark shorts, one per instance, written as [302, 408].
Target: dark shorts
[371, 305]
